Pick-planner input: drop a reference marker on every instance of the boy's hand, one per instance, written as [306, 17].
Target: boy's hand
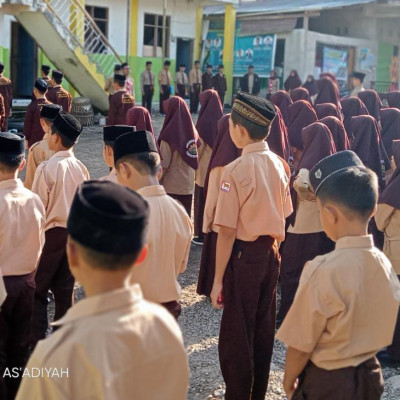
[290, 388]
[216, 296]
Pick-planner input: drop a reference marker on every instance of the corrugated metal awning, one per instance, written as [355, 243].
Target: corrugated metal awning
[254, 27]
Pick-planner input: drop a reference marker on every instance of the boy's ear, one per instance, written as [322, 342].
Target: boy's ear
[72, 253]
[22, 166]
[331, 214]
[160, 172]
[142, 255]
[375, 210]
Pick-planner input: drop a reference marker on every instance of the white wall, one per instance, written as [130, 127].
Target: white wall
[5, 29]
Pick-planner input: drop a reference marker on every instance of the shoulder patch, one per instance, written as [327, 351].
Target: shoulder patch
[225, 186]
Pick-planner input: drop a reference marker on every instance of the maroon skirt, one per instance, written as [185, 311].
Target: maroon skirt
[198, 210]
[207, 264]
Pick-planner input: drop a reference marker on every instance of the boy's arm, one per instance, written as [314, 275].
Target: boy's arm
[296, 361]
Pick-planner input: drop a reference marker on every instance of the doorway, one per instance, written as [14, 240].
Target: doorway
[280, 60]
[184, 51]
[23, 61]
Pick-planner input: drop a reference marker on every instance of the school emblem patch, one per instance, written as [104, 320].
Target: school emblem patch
[318, 174]
[226, 186]
[191, 149]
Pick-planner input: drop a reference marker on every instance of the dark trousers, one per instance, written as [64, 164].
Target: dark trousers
[207, 264]
[174, 308]
[164, 96]
[363, 382]
[147, 98]
[394, 348]
[194, 98]
[222, 98]
[185, 200]
[15, 331]
[52, 274]
[198, 210]
[247, 332]
[181, 91]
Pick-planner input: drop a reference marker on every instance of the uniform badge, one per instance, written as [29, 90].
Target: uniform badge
[226, 186]
[318, 174]
[191, 149]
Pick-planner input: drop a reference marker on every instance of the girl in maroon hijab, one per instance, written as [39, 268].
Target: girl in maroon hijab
[293, 81]
[305, 238]
[301, 114]
[282, 100]
[331, 76]
[390, 119]
[393, 99]
[278, 140]
[373, 103]
[300, 94]
[210, 113]
[311, 85]
[338, 132]
[224, 152]
[178, 143]
[352, 107]
[327, 110]
[328, 92]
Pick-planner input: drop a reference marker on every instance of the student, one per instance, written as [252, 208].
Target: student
[33, 130]
[357, 80]
[390, 118]
[22, 220]
[219, 83]
[252, 205]
[140, 118]
[305, 237]
[393, 99]
[282, 100]
[388, 221]
[129, 81]
[55, 182]
[195, 87]
[110, 135]
[338, 132]
[178, 143]
[6, 92]
[181, 82]
[210, 113]
[112, 344]
[109, 85]
[40, 151]
[120, 102]
[335, 326]
[224, 152]
[44, 74]
[278, 139]
[164, 81]
[147, 81]
[58, 95]
[293, 81]
[328, 110]
[328, 92]
[311, 86]
[373, 103]
[300, 93]
[207, 78]
[138, 167]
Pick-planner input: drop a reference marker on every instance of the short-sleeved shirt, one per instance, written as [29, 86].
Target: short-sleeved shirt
[164, 77]
[112, 176]
[254, 194]
[22, 223]
[345, 308]
[204, 155]
[195, 77]
[56, 181]
[111, 346]
[168, 239]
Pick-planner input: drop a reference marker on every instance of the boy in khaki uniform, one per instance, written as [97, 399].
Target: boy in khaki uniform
[138, 167]
[252, 206]
[22, 221]
[112, 344]
[336, 326]
[40, 151]
[56, 181]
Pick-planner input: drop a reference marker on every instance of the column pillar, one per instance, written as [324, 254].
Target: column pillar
[199, 29]
[134, 24]
[229, 46]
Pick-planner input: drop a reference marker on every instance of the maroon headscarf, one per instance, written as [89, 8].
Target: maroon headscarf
[328, 92]
[277, 139]
[393, 99]
[331, 76]
[372, 101]
[390, 119]
[300, 93]
[318, 144]
[327, 110]
[367, 144]
[301, 114]
[210, 113]
[338, 132]
[352, 107]
[391, 194]
[310, 85]
[179, 131]
[282, 100]
[293, 81]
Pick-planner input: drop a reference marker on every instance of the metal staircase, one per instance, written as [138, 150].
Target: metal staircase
[72, 41]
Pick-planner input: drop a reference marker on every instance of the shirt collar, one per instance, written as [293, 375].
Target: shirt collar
[11, 184]
[153, 190]
[352, 242]
[255, 147]
[102, 303]
[64, 153]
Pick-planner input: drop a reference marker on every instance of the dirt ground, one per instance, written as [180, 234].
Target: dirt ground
[199, 321]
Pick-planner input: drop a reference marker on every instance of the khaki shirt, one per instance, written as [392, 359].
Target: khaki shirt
[112, 176]
[204, 153]
[164, 77]
[168, 239]
[387, 220]
[22, 222]
[254, 194]
[181, 78]
[147, 78]
[213, 189]
[195, 77]
[178, 177]
[346, 306]
[111, 346]
[56, 181]
[38, 153]
[109, 85]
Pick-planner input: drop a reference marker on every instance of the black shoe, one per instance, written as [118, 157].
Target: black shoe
[198, 240]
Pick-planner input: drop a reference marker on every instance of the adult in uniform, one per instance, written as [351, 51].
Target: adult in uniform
[164, 80]
[109, 85]
[220, 83]
[120, 102]
[195, 86]
[58, 95]
[129, 82]
[207, 79]
[251, 82]
[6, 92]
[147, 79]
[181, 82]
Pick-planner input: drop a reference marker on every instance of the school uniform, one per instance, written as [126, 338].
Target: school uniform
[6, 92]
[195, 89]
[130, 85]
[255, 179]
[181, 82]
[164, 80]
[58, 95]
[22, 222]
[206, 81]
[33, 131]
[112, 176]
[219, 83]
[120, 103]
[147, 79]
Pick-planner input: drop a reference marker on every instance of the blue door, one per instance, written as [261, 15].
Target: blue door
[184, 53]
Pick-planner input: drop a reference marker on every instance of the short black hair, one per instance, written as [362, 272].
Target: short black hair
[10, 162]
[65, 141]
[355, 189]
[58, 80]
[197, 62]
[167, 62]
[1, 67]
[250, 66]
[110, 144]
[255, 131]
[149, 63]
[125, 64]
[145, 163]
[119, 83]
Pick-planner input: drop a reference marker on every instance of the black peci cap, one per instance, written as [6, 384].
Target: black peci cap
[117, 67]
[358, 75]
[46, 69]
[12, 143]
[108, 218]
[68, 125]
[57, 75]
[112, 132]
[140, 142]
[120, 78]
[50, 111]
[41, 85]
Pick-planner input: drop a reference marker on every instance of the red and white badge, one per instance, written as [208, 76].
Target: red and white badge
[226, 186]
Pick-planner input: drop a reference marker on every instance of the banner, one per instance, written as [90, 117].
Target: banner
[258, 51]
[213, 48]
[335, 61]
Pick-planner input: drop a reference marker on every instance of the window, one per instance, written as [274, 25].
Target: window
[152, 38]
[100, 17]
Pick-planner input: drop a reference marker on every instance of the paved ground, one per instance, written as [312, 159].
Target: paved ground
[199, 321]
